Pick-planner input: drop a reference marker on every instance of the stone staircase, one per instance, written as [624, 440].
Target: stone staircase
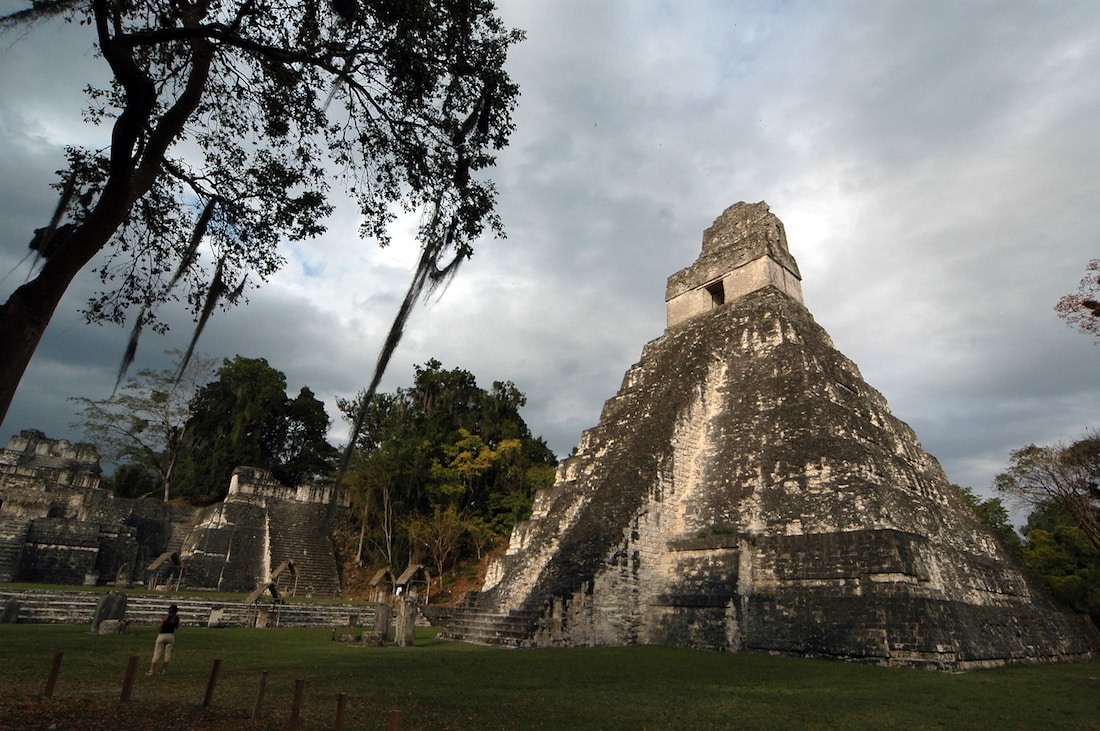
[294, 537]
[468, 623]
[13, 533]
[78, 607]
[182, 523]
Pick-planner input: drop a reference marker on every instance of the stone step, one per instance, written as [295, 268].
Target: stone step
[13, 533]
[469, 624]
[485, 638]
[503, 625]
[75, 607]
[313, 554]
[9, 559]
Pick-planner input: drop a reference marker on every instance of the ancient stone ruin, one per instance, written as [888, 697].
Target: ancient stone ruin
[58, 525]
[746, 490]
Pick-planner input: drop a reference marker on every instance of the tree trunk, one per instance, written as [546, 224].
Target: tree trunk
[24, 317]
[22, 322]
[362, 534]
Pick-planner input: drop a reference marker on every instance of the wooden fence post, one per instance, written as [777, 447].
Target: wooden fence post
[128, 683]
[213, 682]
[55, 670]
[257, 712]
[296, 709]
[341, 705]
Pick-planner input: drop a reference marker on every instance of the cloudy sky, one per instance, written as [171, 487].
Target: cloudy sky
[936, 164]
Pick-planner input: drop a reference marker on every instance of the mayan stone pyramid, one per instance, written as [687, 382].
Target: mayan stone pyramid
[746, 490]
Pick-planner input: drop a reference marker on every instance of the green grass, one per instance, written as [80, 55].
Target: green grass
[445, 685]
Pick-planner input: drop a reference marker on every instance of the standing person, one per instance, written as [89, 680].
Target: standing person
[166, 637]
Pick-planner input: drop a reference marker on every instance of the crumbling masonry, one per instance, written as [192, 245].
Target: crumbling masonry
[57, 525]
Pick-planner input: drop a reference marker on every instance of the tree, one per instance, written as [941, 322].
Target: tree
[1060, 478]
[440, 533]
[993, 514]
[443, 445]
[231, 122]
[141, 426]
[465, 462]
[244, 418]
[373, 488]
[299, 447]
[1082, 308]
[133, 481]
[1064, 558]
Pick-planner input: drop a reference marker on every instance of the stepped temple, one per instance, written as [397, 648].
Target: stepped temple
[746, 490]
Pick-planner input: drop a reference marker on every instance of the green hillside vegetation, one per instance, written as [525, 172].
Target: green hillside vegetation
[442, 471]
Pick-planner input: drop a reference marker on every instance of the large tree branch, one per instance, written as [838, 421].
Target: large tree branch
[38, 11]
[172, 121]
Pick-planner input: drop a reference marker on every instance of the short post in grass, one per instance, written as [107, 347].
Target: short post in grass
[405, 629]
[341, 706]
[211, 685]
[128, 683]
[383, 616]
[395, 721]
[55, 670]
[258, 712]
[296, 709]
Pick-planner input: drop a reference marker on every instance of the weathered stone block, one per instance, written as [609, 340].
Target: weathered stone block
[113, 627]
[109, 607]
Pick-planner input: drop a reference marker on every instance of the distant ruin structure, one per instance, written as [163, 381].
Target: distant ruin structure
[58, 525]
[746, 490]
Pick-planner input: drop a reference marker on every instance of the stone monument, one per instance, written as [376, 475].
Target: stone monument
[746, 490]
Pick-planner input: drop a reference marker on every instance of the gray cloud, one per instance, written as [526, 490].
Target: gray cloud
[936, 166]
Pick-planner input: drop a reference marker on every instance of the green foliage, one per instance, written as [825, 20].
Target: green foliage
[441, 453]
[244, 418]
[1062, 535]
[1059, 478]
[1068, 563]
[133, 481]
[993, 514]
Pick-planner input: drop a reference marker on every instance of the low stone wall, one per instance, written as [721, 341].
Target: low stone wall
[79, 607]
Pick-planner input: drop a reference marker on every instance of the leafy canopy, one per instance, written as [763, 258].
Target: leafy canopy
[1060, 478]
[1061, 485]
[1065, 560]
[444, 466]
[232, 124]
[244, 418]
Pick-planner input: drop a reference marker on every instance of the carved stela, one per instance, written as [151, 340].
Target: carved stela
[746, 490]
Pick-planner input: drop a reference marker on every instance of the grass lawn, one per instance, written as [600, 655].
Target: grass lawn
[446, 685]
